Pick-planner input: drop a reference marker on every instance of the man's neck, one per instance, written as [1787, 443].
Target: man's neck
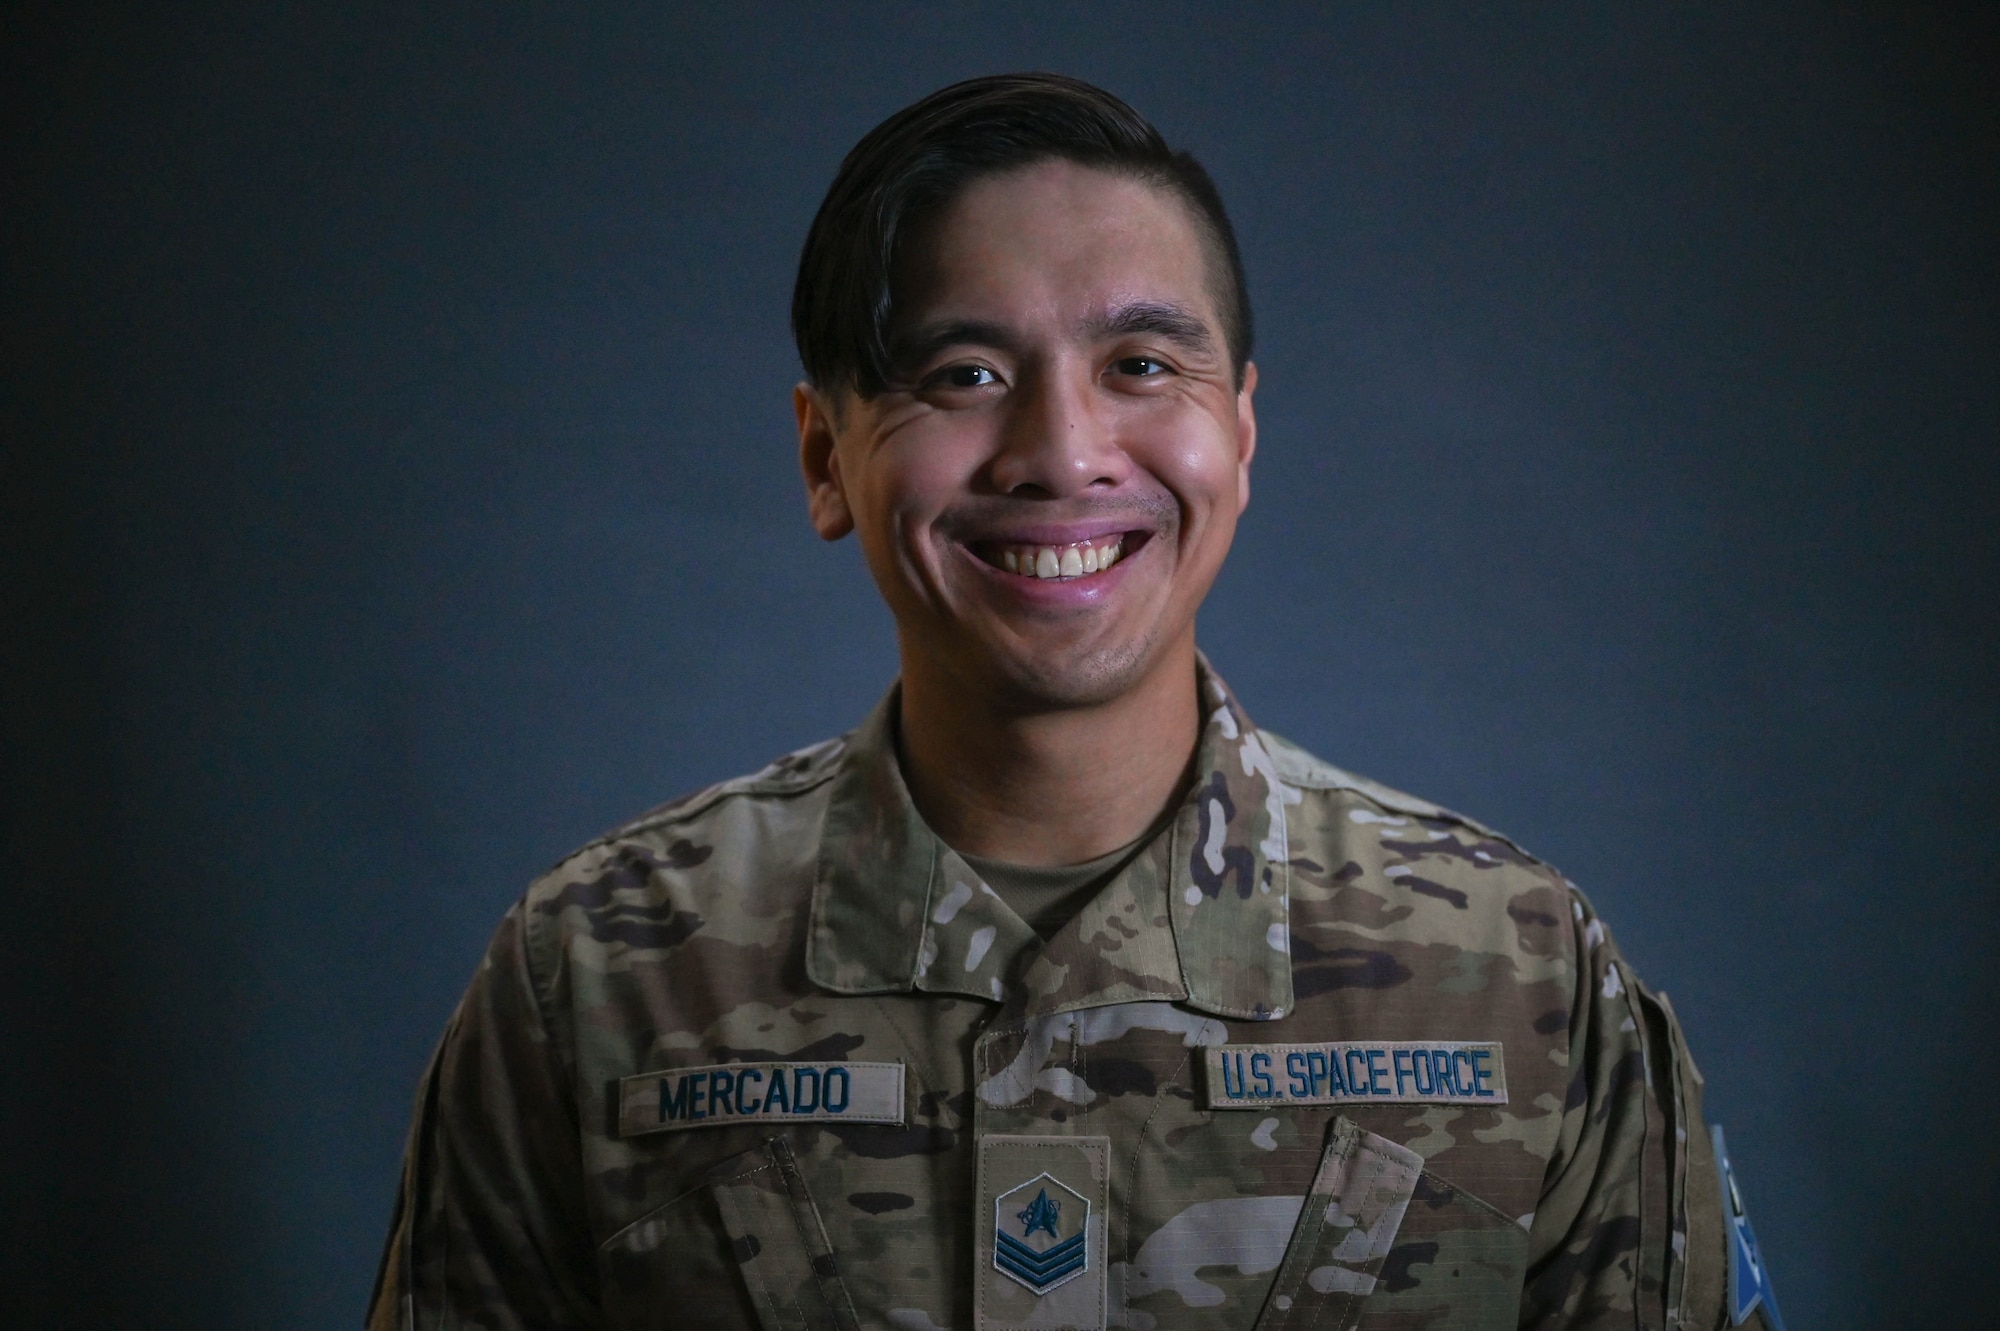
[1048, 787]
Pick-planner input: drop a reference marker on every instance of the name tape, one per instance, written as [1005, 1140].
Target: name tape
[1397, 1072]
[724, 1093]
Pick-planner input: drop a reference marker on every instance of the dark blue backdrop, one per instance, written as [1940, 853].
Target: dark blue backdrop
[399, 490]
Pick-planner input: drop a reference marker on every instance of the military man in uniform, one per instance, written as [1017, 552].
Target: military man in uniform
[1057, 994]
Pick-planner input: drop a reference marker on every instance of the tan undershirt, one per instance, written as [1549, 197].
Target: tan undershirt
[1046, 897]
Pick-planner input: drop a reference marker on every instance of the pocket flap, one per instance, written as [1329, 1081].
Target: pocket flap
[1345, 1230]
[778, 1242]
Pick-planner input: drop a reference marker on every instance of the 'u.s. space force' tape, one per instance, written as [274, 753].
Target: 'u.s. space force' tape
[779, 1092]
[1349, 1072]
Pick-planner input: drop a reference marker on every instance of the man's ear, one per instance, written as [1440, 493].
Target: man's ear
[1246, 435]
[826, 499]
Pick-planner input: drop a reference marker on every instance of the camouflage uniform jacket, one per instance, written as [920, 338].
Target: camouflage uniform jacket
[1498, 1124]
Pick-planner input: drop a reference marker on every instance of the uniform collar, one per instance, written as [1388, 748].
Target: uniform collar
[1199, 916]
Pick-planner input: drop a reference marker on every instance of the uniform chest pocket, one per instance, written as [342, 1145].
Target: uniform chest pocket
[1380, 1240]
[661, 1269]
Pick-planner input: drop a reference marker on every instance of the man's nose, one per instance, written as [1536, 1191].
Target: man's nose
[1058, 438]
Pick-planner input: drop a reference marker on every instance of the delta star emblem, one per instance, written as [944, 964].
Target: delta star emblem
[1041, 1234]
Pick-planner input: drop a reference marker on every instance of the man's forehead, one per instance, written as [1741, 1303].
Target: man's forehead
[1086, 251]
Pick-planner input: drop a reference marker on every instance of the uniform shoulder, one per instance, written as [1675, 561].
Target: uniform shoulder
[1373, 802]
[1404, 868]
[684, 834]
[1306, 770]
[793, 774]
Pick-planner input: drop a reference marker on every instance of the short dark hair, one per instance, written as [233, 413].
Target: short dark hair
[909, 167]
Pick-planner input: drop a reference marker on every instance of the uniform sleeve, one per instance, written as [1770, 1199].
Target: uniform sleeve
[490, 1228]
[1628, 1232]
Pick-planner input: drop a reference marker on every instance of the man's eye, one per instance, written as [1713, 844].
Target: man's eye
[1139, 367]
[967, 376]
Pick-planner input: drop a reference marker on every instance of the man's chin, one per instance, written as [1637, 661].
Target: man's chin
[1065, 679]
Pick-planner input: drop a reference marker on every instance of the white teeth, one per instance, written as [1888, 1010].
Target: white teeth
[1049, 561]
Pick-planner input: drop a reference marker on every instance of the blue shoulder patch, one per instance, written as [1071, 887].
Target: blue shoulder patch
[1749, 1278]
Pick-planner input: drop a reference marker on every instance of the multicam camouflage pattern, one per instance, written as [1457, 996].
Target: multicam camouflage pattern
[807, 913]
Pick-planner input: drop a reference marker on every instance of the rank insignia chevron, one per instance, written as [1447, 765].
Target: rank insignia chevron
[1041, 1256]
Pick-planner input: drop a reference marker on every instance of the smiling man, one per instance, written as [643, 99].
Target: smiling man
[1056, 994]
[1045, 484]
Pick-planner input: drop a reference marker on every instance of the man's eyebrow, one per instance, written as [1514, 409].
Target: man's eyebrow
[1173, 322]
[911, 347]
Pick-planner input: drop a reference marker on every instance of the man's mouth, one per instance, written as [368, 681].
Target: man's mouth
[1079, 559]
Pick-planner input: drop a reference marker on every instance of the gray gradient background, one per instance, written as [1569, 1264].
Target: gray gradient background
[399, 490]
